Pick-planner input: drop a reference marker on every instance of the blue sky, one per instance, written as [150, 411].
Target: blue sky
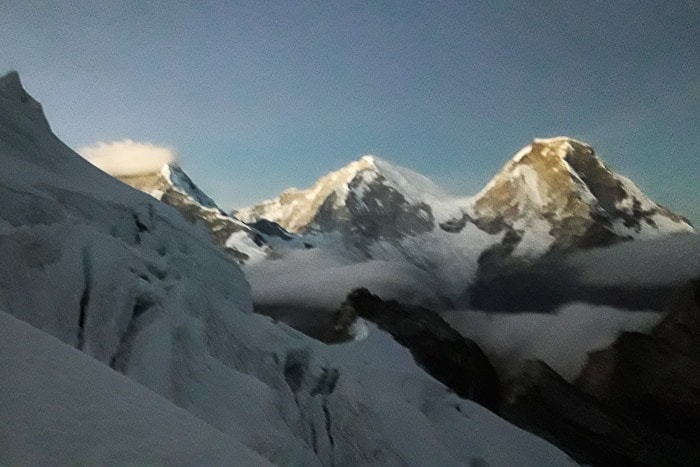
[259, 96]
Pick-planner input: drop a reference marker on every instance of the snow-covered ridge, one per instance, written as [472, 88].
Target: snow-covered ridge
[297, 207]
[549, 178]
[184, 184]
[173, 186]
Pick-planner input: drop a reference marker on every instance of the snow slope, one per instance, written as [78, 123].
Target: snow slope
[61, 407]
[125, 279]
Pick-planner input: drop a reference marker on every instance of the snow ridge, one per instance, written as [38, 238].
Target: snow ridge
[174, 187]
[181, 182]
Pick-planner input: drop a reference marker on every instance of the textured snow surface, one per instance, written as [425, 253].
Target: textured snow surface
[61, 407]
[432, 431]
[122, 277]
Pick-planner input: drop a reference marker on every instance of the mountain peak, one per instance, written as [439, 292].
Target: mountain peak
[367, 159]
[19, 102]
[557, 141]
[561, 184]
[11, 84]
[369, 185]
[171, 185]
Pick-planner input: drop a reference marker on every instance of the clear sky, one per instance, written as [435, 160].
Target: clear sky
[257, 96]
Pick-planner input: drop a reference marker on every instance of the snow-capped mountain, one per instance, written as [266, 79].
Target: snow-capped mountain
[174, 187]
[375, 210]
[554, 195]
[557, 194]
[125, 279]
[358, 200]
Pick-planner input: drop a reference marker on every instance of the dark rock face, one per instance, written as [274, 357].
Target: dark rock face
[609, 191]
[450, 358]
[455, 225]
[542, 402]
[376, 212]
[319, 323]
[644, 377]
[681, 327]
[635, 403]
[272, 229]
[654, 378]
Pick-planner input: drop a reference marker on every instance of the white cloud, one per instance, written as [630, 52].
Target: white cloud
[127, 157]
[319, 279]
[562, 339]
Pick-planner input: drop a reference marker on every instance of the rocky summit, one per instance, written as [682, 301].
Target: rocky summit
[562, 191]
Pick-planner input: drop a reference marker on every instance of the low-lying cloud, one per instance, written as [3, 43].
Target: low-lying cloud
[127, 157]
[318, 279]
[562, 339]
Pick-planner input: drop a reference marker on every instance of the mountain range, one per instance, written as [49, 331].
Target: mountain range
[151, 325]
[555, 196]
[150, 299]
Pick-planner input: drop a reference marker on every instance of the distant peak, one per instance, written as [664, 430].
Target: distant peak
[558, 140]
[556, 148]
[368, 159]
[12, 91]
[10, 84]
[365, 162]
[562, 178]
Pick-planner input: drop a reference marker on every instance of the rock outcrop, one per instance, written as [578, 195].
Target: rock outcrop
[655, 378]
[542, 402]
[449, 357]
[635, 403]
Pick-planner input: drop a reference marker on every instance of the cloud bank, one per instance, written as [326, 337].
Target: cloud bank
[318, 279]
[127, 157]
[562, 339]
